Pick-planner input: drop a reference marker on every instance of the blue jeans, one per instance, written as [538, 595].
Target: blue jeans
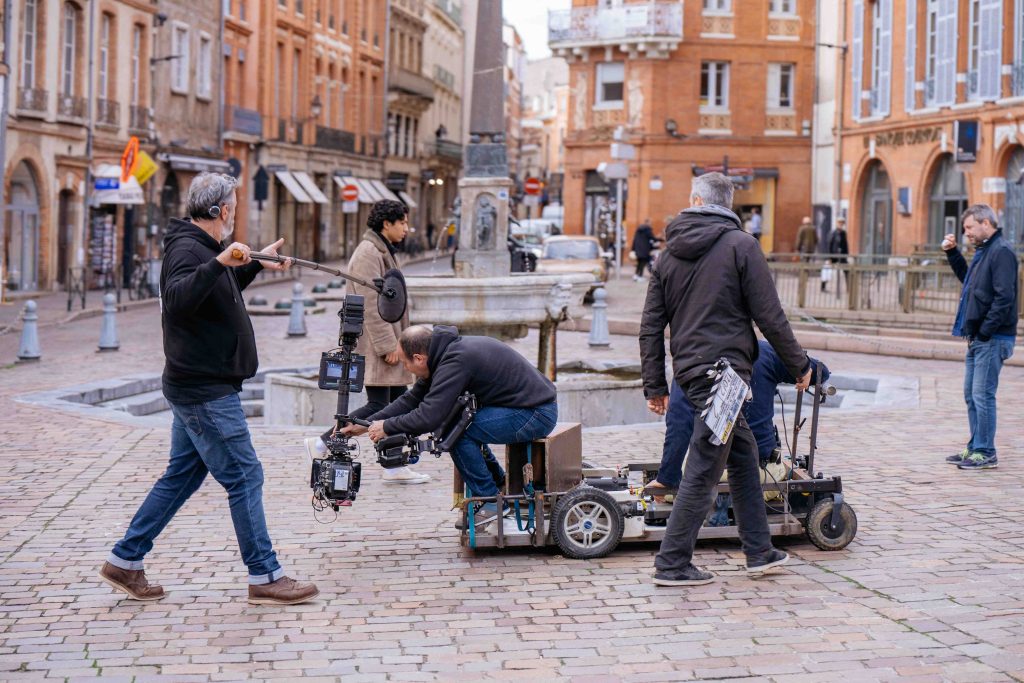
[473, 459]
[678, 430]
[207, 437]
[984, 361]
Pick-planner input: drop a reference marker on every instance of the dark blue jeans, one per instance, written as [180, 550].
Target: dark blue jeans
[981, 379]
[207, 437]
[678, 430]
[495, 425]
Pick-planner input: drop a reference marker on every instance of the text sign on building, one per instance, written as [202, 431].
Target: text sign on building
[965, 133]
[532, 186]
[899, 138]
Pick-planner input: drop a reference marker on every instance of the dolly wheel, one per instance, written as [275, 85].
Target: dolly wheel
[818, 525]
[587, 523]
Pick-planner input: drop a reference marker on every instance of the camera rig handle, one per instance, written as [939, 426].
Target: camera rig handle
[352, 420]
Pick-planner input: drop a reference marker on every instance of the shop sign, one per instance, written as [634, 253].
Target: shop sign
[900, 138]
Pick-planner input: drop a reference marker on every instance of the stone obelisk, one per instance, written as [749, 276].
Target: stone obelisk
[484, 189]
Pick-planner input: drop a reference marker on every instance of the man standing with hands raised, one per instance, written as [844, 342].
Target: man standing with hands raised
[210, 349]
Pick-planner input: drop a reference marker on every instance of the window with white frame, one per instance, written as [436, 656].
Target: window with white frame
[985, 49]
[610, 79]
[68, 50]
[780, 86]
[204, 67]
[973, 45]
[28, 45]
[717, 6]
[180, 65]
[787, 7]
[940, 62]
[857, 61]
[910, 57]
[136, 63]
[104, 57]
[881, 57]
[714, 85]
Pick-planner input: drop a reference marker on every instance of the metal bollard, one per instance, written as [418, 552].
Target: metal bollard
[297, 319]
[28, 350]
[108, 332]
[599, 320]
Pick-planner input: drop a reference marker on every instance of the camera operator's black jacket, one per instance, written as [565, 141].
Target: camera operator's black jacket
[209, 344]
[490, 370]
[708, 285]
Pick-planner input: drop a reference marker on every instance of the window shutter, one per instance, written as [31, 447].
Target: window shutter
[945, 72]
[774, 82]
[857, 63]
[990, 57]
[885, 71]
[910, 57]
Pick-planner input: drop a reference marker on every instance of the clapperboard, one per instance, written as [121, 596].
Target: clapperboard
[725, 401]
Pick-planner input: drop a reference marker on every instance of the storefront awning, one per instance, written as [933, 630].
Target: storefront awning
[181, 162]
[383, 191]
[108, 188]
[409, 201]
[310, 187]
[292, 185]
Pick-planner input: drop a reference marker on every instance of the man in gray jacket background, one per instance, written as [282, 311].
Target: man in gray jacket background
[710, 283]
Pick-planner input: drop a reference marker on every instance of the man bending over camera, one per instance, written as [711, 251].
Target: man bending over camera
[516, 402]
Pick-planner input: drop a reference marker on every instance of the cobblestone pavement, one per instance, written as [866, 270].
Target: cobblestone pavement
[931, 589]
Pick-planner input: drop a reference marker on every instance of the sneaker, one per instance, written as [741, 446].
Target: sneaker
[958, 458]
[485, 514]
[687, 576]
[770, 560]
[979, 461]
[284, 591]
[403, 475]
[130, 581]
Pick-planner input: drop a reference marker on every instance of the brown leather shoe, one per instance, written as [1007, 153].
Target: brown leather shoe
[284, 591]
[131, 581]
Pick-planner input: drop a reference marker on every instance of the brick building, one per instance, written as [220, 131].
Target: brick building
[697, 86]
[545, 97]
[916, 73]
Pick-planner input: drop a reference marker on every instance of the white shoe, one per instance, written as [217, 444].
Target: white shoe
[403, 475]
[315, 448]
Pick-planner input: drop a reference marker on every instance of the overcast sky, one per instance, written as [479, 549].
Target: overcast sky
[530, 17]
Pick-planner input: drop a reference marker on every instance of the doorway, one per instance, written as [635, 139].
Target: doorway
[21, 241]
[876, 215]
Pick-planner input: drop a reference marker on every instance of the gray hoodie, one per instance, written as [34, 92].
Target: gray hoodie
[710, 283]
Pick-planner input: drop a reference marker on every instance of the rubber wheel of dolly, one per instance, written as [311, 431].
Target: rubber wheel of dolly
[587, 523]
[817, 525]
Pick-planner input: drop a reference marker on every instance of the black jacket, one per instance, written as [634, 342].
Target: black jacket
[710, 282]
[990, 302]
[492, 371]
[643, 241]
[838, 242]
[209, 345]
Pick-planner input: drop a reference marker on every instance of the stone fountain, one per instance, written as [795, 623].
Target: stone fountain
[484, 297]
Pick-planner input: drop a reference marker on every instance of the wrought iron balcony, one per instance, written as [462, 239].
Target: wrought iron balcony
[71, 107]
[108, 113]
[32, 101]
[652, 29]
[336, 139]
[242, 120]
[139, 118]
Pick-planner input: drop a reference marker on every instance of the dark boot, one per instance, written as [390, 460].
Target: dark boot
[284, 591]
[130, 581]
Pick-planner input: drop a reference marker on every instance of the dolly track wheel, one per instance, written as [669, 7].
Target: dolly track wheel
[820, 531]
[587, 523]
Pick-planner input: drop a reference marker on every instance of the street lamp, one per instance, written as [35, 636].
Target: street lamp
[315, 107]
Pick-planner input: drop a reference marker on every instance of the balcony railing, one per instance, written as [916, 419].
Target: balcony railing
[108, 113]
[629, 22]
[445, 149]
[71, 107]
[139, 118]
[242, 120]
[32, 100]
[333, 138]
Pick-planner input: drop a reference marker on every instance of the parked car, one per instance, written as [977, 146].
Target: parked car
[532, 232]
[575, 254]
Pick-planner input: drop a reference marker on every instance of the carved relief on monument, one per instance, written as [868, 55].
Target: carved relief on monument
[636, 103]
[485, 219]
[579, 93]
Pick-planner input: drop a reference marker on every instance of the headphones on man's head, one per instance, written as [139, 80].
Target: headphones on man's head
[214, 211]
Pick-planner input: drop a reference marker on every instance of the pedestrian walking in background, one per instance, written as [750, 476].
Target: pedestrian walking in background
[644, 242]
[755, 223]
[384, 377]
[806, 239]
[711, 283]
[838, 248]
[987, 319]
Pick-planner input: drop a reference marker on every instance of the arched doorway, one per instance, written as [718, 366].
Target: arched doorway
[1013, 218]
[947, 201]
[876, 213]
[21, 241]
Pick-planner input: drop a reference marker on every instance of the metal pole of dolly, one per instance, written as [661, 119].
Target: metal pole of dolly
[618, 228]
[5, 84]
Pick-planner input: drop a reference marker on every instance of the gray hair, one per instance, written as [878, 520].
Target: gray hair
[713, 188]
[209, 190]
[980, 213]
